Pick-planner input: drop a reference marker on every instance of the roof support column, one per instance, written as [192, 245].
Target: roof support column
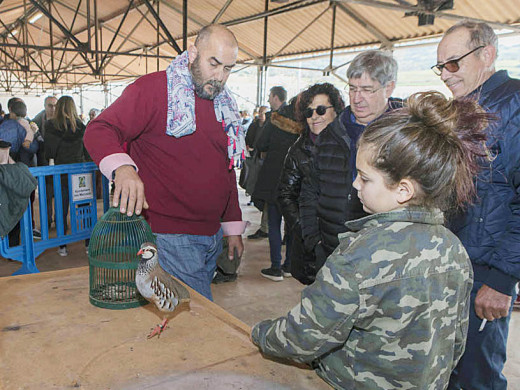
[53, 75]
[184, 25]
[158, 36]
[262, 70]
[96, 35]
[332, 34]
[261, 81]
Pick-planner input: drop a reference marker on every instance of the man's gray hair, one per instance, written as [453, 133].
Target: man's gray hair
[480, 34]
[379, 65]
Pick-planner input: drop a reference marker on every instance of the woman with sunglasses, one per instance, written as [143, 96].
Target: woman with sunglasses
[316, 108]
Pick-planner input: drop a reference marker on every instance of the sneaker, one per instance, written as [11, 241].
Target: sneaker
[516, 304]
[286, 272]
[258, 234]
[273, 274]
[37, 234]
[62, 251]
[221, 277]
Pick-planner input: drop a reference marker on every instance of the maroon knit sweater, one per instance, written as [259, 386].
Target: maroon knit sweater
[188, 185]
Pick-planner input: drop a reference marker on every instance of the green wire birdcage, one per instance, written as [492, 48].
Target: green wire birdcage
[113, 260]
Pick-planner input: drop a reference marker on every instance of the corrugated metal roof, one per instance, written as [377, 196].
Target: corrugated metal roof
[142, 46]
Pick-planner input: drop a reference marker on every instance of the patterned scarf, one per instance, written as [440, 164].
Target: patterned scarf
[181, 109]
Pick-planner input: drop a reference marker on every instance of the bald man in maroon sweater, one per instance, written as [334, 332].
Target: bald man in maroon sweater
[184, 185]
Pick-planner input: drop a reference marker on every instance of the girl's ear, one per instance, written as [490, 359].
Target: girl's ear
[405, 191]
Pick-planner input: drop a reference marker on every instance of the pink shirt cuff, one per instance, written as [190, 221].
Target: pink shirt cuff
[112, 162]
[234, 228]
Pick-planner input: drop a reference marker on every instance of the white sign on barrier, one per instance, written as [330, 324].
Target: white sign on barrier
[82, 187]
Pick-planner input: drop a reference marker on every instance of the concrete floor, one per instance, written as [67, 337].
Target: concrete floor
[251, 298]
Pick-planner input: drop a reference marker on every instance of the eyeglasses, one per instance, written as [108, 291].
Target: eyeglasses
[363, 91]
[320, 110]
[452, 66]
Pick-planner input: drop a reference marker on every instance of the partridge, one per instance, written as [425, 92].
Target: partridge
[158, 286]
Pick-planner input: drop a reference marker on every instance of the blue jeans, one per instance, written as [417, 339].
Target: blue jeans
[480, 368]
[274, 234]
[190, 258]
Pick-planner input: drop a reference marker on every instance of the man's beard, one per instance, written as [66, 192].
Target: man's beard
[199, 83]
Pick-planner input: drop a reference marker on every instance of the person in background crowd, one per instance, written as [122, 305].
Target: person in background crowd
[277, 99]
[253, 164]
[316, 108]
[40, 119]
[10, 104]
[489, 228]
[371, 80]
[255, 129]
[389, 309]
[16, 131]
[246, 120]
[27, 155]
[64, 145]
[93, 113]
[280, 132]
[184, 134]
[44, 115]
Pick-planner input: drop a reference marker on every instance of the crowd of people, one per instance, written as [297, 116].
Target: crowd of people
[402, 217]
[53, 136]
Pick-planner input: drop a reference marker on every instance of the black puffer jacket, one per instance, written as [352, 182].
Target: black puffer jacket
[337, 201]
[335, 165]
[279, 133]
[298, 169]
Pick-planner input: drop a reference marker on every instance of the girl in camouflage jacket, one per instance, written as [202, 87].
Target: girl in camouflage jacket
[389, 309]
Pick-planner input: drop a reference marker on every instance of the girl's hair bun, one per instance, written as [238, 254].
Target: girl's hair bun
[435, 141]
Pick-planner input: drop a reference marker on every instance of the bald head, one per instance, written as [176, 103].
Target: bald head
[211, 60]
[215, 32]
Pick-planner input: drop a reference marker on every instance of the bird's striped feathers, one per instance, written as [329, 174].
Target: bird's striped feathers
[166, 299]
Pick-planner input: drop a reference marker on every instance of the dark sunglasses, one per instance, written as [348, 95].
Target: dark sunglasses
[320, 110]
[452, 66]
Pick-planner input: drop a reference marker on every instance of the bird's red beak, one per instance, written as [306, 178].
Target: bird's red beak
[140, 252]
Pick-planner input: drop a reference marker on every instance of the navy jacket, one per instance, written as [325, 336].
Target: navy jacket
[490, 228]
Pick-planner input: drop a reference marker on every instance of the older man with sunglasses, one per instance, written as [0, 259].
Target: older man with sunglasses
[490, 228]
[371, 80]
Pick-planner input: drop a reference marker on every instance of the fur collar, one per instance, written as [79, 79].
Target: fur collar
[286, 124]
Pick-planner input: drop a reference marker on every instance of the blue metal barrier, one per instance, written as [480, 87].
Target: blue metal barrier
[82, 212]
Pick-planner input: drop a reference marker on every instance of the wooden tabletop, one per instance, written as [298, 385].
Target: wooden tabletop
[52, 337]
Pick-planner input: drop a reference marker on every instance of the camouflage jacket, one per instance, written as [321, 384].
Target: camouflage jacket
[389, 309]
